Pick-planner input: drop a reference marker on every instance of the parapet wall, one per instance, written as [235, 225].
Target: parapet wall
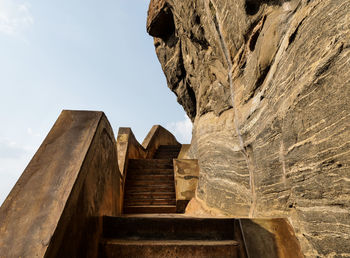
[55, 208]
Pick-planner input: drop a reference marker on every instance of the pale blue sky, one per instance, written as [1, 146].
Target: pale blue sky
[74, 54]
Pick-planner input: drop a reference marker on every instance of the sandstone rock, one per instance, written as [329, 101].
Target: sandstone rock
[160, 22]
[267, 85]
[186, 173]
[197, 208]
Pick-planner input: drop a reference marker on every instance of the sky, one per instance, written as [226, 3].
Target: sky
[79, 55]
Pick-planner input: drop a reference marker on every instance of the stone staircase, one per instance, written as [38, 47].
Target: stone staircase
[83, 182]
[149, 184]
[167, 152]
[168, 236]
[149, 226]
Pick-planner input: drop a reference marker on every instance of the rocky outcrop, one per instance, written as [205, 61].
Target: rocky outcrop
[267, 85]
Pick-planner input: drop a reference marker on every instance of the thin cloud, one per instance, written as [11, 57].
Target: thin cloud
[14, 17]
[11, 150]
[13, 159]
[10, 170]
[31, 133]
[181, 129]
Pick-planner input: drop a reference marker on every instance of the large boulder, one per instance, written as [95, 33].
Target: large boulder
[267, 85]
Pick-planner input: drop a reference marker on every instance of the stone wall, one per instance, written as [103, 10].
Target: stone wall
[56, 206]
[267, 85]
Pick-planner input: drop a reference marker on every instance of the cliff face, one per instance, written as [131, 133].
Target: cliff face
[267, 85]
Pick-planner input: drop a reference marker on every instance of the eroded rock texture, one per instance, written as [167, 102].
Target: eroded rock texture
[267, 85]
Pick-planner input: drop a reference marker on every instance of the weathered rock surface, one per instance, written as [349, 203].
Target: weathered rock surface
[186, 173]
[267, 85]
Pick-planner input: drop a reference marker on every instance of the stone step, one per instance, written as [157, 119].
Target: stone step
[149, 209]
[150, 201]
[169, 249]
[148, 188]
[165, 156]
[149, 177]
[150, 164]
[163, 150]
[167, 228]
[167, 152]
[151, 183]
[177, 146]
[146, 195]
[157, 171]
[173, 151]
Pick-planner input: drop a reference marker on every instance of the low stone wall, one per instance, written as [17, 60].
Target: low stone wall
[273, 238]
[263, 237]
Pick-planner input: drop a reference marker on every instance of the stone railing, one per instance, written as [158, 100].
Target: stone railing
[56, 206]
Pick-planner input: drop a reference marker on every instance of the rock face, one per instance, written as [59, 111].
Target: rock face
[267, 85]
